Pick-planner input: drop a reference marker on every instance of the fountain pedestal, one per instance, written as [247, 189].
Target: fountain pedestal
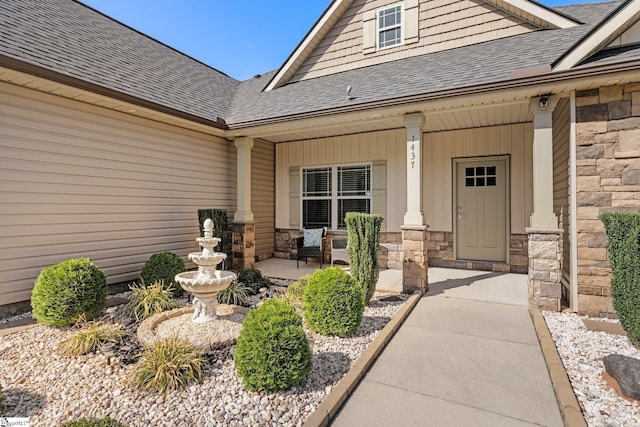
[206, 283]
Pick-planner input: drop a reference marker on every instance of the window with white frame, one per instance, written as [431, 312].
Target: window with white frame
[389, 24]
[328, 193]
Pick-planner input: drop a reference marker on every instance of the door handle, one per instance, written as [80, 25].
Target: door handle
[459, 212]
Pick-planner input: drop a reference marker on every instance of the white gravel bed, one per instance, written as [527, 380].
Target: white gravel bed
[50, 388]
[582, 352]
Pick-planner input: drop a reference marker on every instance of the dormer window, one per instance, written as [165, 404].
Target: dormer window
[390, 26]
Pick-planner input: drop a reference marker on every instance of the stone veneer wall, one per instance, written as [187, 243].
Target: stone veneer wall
[441, 254]
[440, 251]
[608, 179]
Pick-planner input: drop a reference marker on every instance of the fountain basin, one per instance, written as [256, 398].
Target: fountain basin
[204, 337]
[198, 283]
[208, 260]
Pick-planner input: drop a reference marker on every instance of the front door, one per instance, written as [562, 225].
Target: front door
[481, 209]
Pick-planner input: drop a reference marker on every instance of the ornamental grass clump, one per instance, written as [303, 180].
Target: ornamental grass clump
[333, 303]
[170, 365]
[93, 422]
[90, 338]
[623, 247]
[146, 301]
[272, 351]
[68, 290]
[364, 241]
[163, 267]
[235, 294]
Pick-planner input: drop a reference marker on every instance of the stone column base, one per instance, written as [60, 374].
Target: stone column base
[244, 245]
[414, 265]
[545, 268]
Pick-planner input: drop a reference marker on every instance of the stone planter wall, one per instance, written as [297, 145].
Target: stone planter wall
[608, 169]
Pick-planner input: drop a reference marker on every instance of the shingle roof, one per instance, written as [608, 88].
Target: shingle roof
[75, 40]
[589, 13]
[455, 68]
[70, 38]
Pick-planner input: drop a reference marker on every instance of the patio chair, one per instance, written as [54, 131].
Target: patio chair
[311, 245]
[339, 250]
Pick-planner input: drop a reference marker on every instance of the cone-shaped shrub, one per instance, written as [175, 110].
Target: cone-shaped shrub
[272, 351]
[163, 267]
[66, 291]
[623, 232]
[364, 242]
[333, 303]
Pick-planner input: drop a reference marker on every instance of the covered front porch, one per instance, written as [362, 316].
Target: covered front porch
[500, 287]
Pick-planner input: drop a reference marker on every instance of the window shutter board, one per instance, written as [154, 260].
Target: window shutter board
[379, 191]
[294, 197]
[369, 32]
[411, 21]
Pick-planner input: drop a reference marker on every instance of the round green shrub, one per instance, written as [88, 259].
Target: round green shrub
[333, 303]
[93, 422]
[272, 351]
[163, 267]
[253, 279]
[66, 291]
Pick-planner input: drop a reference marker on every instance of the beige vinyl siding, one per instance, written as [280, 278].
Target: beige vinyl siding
[440, 148]
[443, 24]
[561, 128]
[83, 181]
[388, 146]
[263, 196]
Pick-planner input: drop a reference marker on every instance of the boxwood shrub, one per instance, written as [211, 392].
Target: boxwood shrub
[623, 247]
[68, 290]
[163, 267]
[333, 303]
[272, 352]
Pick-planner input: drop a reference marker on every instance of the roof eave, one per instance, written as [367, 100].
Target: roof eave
[510, 83]
[54, 76]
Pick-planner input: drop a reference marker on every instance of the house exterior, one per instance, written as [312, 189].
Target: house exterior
[490, 134]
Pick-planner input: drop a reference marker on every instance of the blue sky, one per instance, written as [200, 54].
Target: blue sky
[239, 38]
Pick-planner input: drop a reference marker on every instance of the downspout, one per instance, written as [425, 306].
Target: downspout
[573, 210]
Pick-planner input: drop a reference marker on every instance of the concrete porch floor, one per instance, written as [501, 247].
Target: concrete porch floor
[505, 288]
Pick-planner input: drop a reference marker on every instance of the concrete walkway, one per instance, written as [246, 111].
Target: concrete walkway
[466, 356]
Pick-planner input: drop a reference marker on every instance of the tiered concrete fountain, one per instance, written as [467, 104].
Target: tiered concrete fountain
[206, 283]
[205, 324]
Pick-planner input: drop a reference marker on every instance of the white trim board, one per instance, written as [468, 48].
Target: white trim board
[618, 22]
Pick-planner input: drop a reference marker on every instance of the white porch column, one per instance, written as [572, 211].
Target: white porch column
[243, 212]
[543, 216]
[414, 123]
[414, 231]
